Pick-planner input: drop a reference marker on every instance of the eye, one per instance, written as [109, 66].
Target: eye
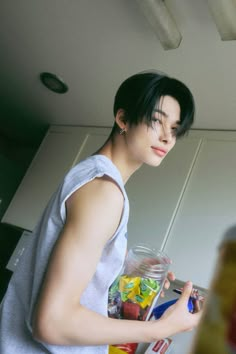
[156, 120]
[174, 131]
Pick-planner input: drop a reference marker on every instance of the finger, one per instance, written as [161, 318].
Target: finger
[171, 276]
[166, 284]
[197, 306]
[187, 289]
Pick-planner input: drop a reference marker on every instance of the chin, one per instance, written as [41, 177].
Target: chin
[154, 163]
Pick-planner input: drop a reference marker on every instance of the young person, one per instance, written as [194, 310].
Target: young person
[56, 301]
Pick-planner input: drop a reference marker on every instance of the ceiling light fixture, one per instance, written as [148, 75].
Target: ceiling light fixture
[224, 15]
[53, 82]
[162, 22]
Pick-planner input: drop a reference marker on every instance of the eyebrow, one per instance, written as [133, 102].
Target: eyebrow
[164, 114]
[161, 112]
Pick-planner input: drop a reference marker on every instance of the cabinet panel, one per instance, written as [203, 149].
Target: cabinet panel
[207, 209]
[95, 138]
[54, 157]
[155, 193]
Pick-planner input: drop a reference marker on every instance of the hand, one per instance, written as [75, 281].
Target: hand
[197, 300]
[177, 317]
[170, 277]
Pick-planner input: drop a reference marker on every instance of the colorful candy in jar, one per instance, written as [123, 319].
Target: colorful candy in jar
[114, 300]
[132, 297]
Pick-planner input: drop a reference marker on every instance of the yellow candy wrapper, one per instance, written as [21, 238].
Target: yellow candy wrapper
[128, 283]
[114, 350]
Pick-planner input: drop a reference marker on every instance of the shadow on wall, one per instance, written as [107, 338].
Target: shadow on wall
[9, 236]
[15, 158]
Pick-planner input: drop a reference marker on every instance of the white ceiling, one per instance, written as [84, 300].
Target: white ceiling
[94, 45]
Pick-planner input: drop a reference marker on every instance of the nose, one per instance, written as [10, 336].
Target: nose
[166, 135]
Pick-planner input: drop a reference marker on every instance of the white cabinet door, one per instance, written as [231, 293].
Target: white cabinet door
[59, 151]
[95, 138]
[206, 211]
[155, 194]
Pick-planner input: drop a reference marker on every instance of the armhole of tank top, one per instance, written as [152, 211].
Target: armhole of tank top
[78, 186]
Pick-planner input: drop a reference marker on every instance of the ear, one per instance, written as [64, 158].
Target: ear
[120, 119]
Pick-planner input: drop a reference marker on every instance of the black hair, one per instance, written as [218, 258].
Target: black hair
[140, 94]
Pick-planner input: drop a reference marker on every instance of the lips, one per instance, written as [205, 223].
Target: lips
[158, 151]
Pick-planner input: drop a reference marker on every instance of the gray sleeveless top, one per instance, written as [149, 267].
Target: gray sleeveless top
[17, 306]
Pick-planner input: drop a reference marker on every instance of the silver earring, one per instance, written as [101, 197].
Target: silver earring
[122, 131]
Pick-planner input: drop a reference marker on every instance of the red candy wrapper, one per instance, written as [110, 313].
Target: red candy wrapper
[162, 346]
[129, 348]
[130, 310]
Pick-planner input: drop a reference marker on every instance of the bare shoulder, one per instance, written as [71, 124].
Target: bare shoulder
[99, 203]
[102, 191]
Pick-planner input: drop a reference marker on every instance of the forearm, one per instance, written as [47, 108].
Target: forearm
[85, 327]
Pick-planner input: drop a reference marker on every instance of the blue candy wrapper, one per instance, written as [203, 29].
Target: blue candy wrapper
[160, 309]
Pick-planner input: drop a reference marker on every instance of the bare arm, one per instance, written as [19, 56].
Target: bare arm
[59, 317]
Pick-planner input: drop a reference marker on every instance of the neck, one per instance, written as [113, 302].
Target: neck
[116, 150]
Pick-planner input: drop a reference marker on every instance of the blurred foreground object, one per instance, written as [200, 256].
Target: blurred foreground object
[217, 330]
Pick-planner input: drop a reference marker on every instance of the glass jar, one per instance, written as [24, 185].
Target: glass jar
[134, 293]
